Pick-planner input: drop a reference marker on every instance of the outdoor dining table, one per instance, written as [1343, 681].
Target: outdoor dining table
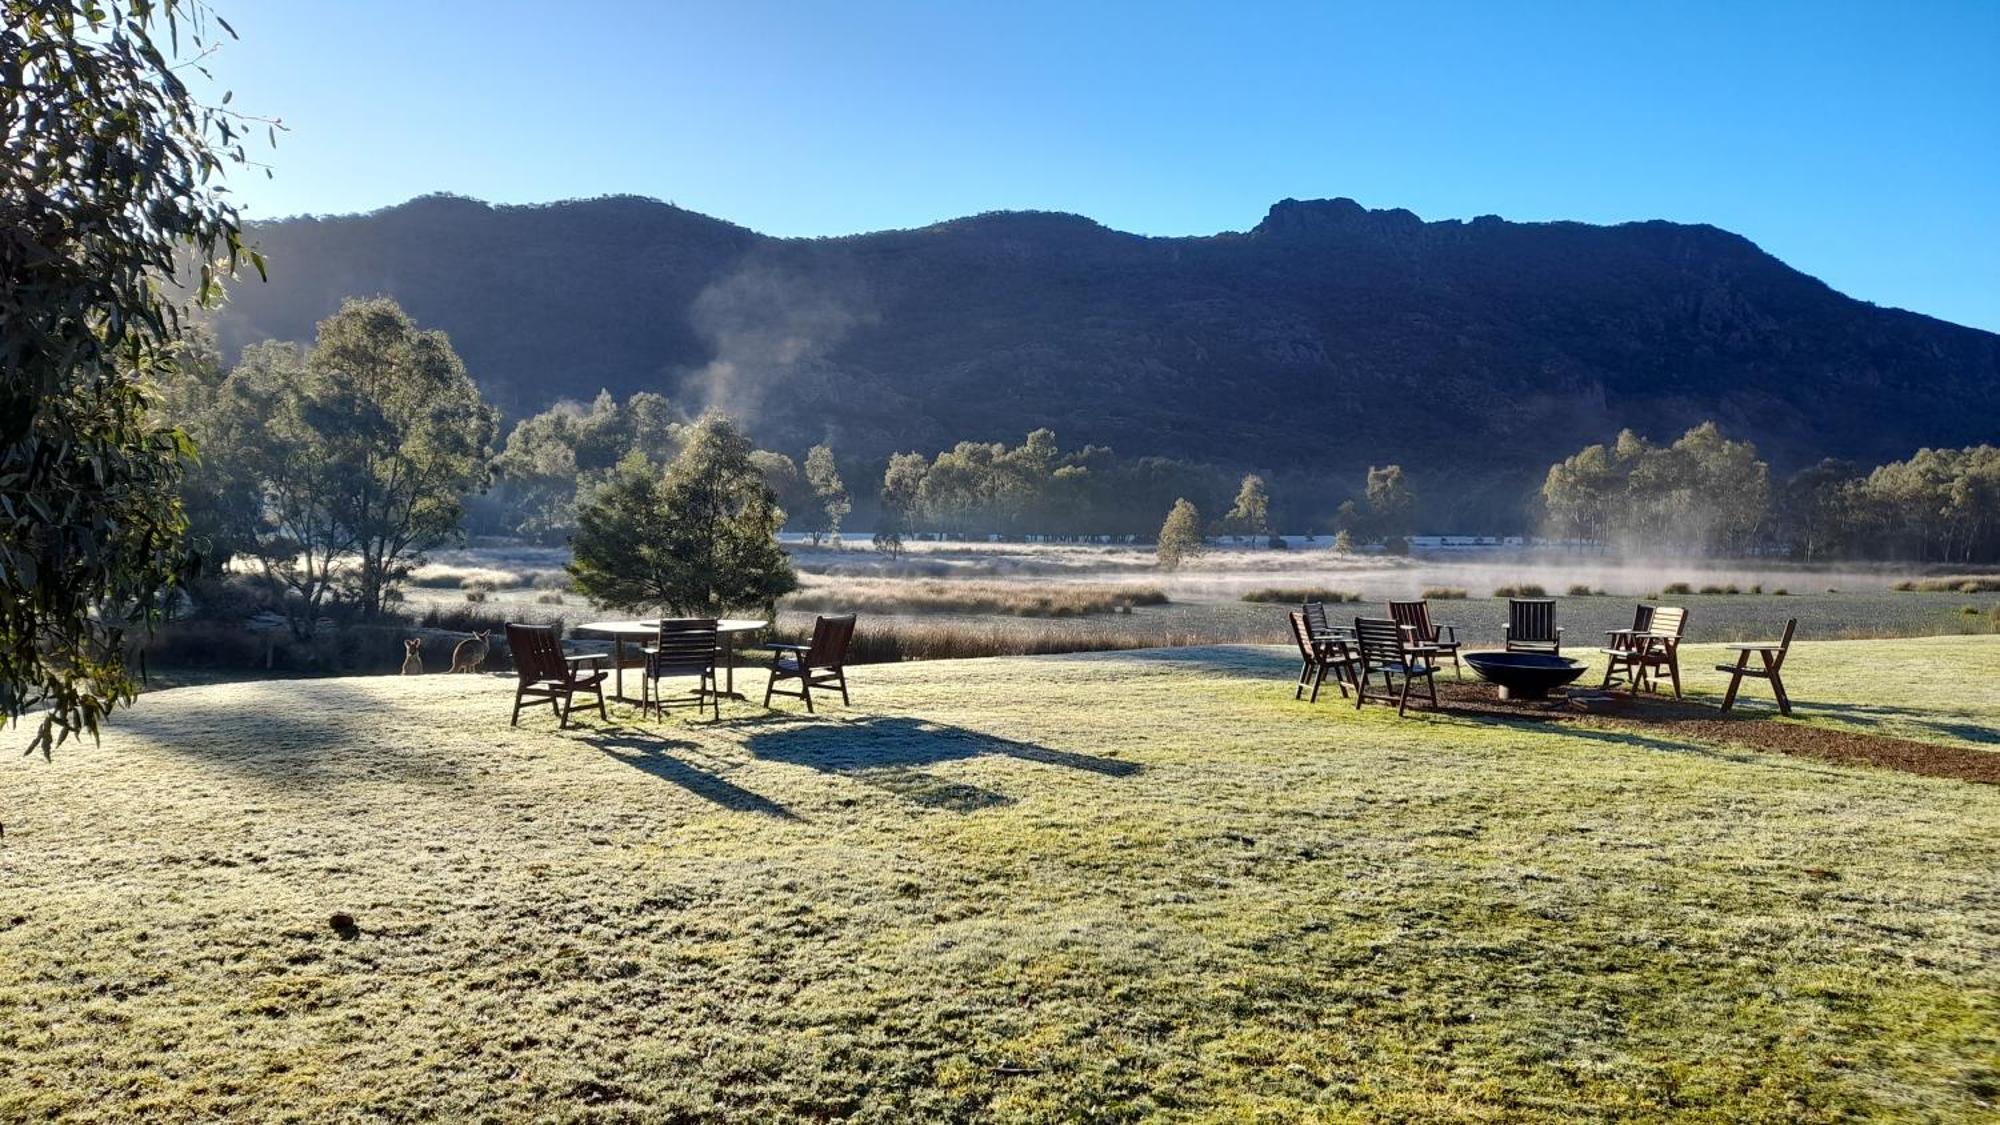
[619, 633]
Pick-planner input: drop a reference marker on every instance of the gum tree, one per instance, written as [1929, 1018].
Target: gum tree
[110, 199]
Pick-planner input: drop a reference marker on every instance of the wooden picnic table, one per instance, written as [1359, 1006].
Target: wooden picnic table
[727, 630]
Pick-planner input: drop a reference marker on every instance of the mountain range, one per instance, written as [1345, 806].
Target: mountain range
[1326, 338]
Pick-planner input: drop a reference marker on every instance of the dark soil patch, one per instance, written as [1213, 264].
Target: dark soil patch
[1702, 722]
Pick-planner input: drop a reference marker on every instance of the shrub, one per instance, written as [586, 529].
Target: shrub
[1299, 595]
[475, 595]
[1729, 589]
[1970, 610]
[1954, 584]
[1677, 588]
[552, 597]
[1583, 590]
[1906, 585]
[1524, 590]
[1441, 593]
[1781, 592]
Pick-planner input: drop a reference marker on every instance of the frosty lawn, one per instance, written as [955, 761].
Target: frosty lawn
[1113, 885]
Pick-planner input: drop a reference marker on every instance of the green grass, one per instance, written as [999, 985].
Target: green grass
[1105, 886]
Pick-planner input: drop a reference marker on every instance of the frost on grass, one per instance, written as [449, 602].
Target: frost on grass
[1107, 885]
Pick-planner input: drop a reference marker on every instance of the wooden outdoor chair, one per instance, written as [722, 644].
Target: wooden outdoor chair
[1654, 642]
[546, 675]
[823, 663]
[1319, 656]
[1773, 659]
[1415, 618]
[1384, 650]
[1324, 632]
[685, 646]
[1531, 626]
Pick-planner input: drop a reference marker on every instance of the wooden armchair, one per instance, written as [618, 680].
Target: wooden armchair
[823, 663]
[1324, 632]
[1637, 654]
[1318, 656]
[1531, 626]
[1415, 619]
[1384, 650]
[1773, 658]
[685, 646]
[546, 675]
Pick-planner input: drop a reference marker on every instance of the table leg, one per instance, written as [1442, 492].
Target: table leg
[618, 662]
[729, 665]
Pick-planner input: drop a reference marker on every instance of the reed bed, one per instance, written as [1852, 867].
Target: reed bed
[1299, 595]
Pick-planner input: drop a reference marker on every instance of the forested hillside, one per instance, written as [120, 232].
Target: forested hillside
[1326, 338]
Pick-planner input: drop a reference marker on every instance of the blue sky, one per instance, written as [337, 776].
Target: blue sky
[1861, 143]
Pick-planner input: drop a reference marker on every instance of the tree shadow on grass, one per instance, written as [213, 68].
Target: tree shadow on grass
[653, 755]
[290, 732]
[1880, 715]
[890, 753]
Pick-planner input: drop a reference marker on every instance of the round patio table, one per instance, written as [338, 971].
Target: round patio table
[639, 632]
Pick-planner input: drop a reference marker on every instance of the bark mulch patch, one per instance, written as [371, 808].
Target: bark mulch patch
[1702, 722]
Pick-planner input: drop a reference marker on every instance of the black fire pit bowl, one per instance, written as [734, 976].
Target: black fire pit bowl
[1524, 675]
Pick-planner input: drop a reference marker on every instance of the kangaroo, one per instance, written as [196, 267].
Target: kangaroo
[470, 655]
[413, 664]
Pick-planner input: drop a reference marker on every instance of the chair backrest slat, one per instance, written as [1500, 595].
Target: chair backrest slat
[1316, 621]
[1785, 645]
[683, 644]
[1380, 640]
[1416, 615]
[537, 653]
[1302, 634]
[1531, 619]
[831, 636]
[1667, 621]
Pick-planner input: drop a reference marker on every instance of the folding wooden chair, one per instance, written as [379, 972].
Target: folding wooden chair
[1637, 654]
[1773, 658]
[547, 676]
[1318, 657]
[1415, 618]
[1531, 626]
[685, 646]
[823, 663]
[1384, 650]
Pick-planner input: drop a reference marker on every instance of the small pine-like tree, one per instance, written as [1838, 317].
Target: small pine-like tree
[1180, 536]
[1343, 543]
[699, 541]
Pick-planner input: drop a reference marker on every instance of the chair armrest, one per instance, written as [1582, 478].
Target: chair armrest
[787, 648]
[1450, 632]
[1765, 646]
[588, 658]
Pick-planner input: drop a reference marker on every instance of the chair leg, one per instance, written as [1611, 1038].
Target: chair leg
[562, 717]
[516, 720]
[806, 691]
[768, 685]
[1403, 703]
[841, 673]
[1674, 670]
[1432, 681]
[1319, 677]
[1305, 669]
[1735, 681]
[1777, 685]
[601, 712]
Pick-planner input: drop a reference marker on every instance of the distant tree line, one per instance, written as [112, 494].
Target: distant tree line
[1706, 493]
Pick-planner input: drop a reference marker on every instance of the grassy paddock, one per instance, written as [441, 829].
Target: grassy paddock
[1096, 886]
